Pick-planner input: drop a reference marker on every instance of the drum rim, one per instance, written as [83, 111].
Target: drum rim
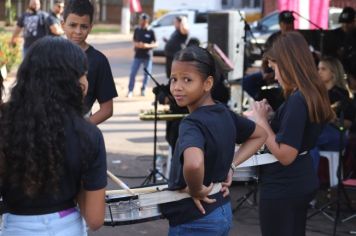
[136, 221]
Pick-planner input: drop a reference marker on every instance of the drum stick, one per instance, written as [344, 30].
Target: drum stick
[143, 190]
[119, 182]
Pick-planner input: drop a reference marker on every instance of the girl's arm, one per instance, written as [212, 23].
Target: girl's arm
[284, 153]
[193, 171]
[92, 207]
[246, 150]
[250, 146]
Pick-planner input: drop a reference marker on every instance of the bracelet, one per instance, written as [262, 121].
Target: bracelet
[233, 167]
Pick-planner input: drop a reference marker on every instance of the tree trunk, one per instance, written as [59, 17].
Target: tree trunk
[8, 13]
[125, 17]
[96, 5]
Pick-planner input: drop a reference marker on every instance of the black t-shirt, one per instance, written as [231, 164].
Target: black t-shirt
[215, 130]
[89, 173]
[145, 36]
[340, 101]
[34, 26]
[175, 43]
[292, 126]
[101, 82]
[52, 19]
[342, 45]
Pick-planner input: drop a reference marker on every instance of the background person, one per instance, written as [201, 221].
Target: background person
[53, 162]
[144, 41]
[253, 83]
[77, 24]
[33, 24]
[332, 74]
[54, 18]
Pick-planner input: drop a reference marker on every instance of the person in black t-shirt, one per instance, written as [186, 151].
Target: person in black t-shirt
[257, 85]
[33, 24]
[345, 38]
[288, 185]
[176, 41]
[205, 148]
[53, 161]
[54, 19]
[144, 41]
[77, 24]
[332, 74]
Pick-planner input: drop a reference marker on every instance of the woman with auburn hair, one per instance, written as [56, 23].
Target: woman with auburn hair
[288, 185]
[52, 161]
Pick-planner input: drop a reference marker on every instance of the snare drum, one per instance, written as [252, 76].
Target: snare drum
[245, 174]
[125, 209]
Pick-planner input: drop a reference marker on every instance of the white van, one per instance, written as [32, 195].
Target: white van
[164, 27]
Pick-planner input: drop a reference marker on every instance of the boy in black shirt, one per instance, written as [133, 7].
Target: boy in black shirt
[144, 40]
[77, 24]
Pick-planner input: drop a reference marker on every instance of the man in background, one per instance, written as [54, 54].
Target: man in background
[144, 40]
[33, 24]
[54, 19]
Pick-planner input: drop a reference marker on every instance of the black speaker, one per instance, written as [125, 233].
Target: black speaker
[226, 29]
[218, 30]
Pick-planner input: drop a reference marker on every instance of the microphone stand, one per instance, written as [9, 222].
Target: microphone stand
[154, 171]
[247, 28]
[321, 43]
[339, 173]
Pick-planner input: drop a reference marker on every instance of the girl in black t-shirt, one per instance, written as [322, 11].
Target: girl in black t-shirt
[52, 161]
[332, 74]
[288, 185]
[205, 148]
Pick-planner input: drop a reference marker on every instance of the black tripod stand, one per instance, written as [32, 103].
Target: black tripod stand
[251, 193]
[151, 178]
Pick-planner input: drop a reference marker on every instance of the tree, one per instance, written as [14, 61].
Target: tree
[8, 13]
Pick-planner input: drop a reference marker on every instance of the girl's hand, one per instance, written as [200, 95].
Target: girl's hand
[202, 195]
[261, 110]
[227, 183]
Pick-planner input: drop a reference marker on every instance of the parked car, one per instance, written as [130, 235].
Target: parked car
[164, 27]
[262, 29]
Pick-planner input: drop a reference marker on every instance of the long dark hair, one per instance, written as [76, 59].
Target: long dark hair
[298, 71]
[46, 95]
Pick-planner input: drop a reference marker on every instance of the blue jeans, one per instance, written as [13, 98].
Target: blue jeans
[328, 140]
[147, 63]
[43, 225]
[217, 223]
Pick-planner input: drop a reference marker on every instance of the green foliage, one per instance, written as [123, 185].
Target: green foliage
[9, 55]
[10, 13]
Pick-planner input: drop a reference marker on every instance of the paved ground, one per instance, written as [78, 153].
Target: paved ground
[129, 143]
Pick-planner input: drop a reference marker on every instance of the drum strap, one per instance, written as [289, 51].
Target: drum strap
[169, 196]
